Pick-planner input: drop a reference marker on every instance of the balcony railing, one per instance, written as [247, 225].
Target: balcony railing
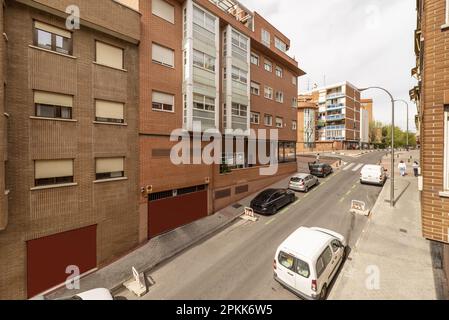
[335, 118]
[335, 106]
[335, 95]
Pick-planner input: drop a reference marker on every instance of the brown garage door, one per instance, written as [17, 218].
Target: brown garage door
[49, 257]
[168, 214]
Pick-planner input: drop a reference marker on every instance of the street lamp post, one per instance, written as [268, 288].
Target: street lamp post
[403, 101]
[392, 202]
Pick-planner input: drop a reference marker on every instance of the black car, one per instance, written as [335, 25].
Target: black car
[270, 201]
[320, 169]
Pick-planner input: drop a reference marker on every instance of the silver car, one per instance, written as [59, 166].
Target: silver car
[303, 182]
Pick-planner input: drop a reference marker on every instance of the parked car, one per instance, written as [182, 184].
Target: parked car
[303, 182]
[270, 201]
[320, 169]
[99, 294]
[308, 260]
[373, 174]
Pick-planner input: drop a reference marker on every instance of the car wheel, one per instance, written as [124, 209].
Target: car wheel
[323, 294]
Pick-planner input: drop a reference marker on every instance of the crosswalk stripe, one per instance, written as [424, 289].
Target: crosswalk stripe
[358, 167]
[348, 167]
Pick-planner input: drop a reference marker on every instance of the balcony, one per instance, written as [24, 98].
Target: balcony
[335, 107]
[335, 95]
[336, 117]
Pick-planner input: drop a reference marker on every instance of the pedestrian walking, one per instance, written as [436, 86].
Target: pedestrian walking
[402, 168]
[416, 169]
[318, 158]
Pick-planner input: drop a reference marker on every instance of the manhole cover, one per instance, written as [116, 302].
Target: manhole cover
[237, 206]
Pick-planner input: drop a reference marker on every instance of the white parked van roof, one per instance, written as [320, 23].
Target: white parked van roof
[372, 167]
[306, 243]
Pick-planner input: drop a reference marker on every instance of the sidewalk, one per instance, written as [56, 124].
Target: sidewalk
[392, 260]
[159, 250]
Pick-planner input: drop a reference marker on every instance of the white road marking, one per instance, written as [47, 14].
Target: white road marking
[348, 167]
[358, 167]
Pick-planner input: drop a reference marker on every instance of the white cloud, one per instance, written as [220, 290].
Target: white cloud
[367, 43]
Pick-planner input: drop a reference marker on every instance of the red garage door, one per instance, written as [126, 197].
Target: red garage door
[170, 213]
[49, 257]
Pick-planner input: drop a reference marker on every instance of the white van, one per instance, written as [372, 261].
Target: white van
[308, 260]
[372, 174]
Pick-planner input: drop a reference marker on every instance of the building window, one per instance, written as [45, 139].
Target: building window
[239, 110]
[52, 38]
[281, 45]
[109, 168]
[239, 75]
[268, 120]
[163, 10]
[109, 112]
[163, 56]
[294, 125]
[203, 60]
[255, 59]
[108, 55]
[279, 72]
[203, 19]
[279, 123]
[287, 152]
[255, 88]
[294, 102]
[204, 103]
[279, 97]
[268, 93]
[53, 172]
[446, 146]
[447, 11]
[268, 66]
[239, 46]
[53, 105]
[294, 81]
[163, 102]
[266, 38]
[255, 118]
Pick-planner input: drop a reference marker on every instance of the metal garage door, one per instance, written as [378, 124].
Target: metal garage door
[49, 257]
[173, 212]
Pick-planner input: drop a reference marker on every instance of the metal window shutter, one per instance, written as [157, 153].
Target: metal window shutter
[54, 99]
[106, 165]
[164, 10]
[51, 29]
[109, 110]
[109, 55]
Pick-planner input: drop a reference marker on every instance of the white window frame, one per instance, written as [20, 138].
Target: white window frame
[294, 80]
[294, 102]
[268, 63]
[256, 116]
[294, 125]
[447, 13]
[280, 45]
[279, 122]
[279, 96]
[162, 105]
[254, 57]
[279, 72]
[446, 148]
[266, 38]
[268, 116]
[268, 93]
[253, 84]
[204, 57]
[242, 75]
[162, 63]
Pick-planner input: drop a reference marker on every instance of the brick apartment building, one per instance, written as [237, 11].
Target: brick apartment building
[432, 98]
[68, 114]
[224, 66]
[338, 120]
[86, 116]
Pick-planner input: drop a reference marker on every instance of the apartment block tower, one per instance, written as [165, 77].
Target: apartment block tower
[69, 152]
[307, 115]
[432, 99]
[338, 116]
[215, 66]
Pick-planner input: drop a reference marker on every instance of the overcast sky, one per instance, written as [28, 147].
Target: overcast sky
[365, 42]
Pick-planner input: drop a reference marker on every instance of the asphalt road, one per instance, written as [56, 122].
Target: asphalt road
[237, 262]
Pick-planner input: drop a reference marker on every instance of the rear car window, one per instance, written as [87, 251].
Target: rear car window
[323, 261]
[286, 260]
[302, 268]
[297, 179]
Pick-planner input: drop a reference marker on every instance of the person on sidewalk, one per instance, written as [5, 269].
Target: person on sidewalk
[416, 169]
[318, 158]
[402, 168]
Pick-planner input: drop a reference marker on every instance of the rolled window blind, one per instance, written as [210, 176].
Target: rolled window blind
[109, 110]
[53, 169]
[107, 165]
[163, 98]
[53, 99]
[109, 55]
[163, 10]
[163, 55]
[51, 29]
